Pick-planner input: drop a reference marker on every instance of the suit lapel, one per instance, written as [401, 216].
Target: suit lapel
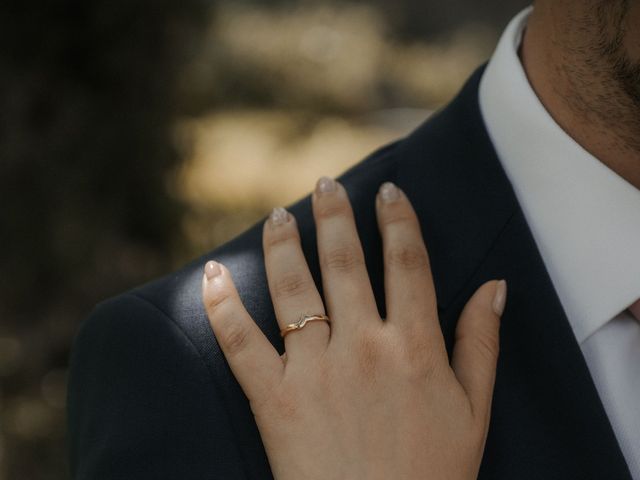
[548, 420]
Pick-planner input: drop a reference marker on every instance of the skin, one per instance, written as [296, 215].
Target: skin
[362, 398]
[582, 58]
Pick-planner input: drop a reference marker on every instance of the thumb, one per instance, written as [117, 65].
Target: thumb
[475, 353]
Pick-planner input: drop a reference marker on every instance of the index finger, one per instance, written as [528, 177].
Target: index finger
[253, 360]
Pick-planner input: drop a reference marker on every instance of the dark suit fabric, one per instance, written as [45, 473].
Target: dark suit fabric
[151, 396]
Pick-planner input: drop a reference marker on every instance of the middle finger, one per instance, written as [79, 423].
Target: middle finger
[348, 294]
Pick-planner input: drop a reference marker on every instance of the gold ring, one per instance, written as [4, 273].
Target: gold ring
[302, 321]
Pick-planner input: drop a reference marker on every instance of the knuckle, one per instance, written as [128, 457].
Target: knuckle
[398, 215]
[217, 298]
[486, 345]
[418, 345]
[332, 208]
[419, 359]
[291, 284]
[344, 259]
[233, 336]
[282, 236]
[408, 257]
[370, 351]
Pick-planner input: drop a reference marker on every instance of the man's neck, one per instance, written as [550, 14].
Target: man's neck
[593, 109]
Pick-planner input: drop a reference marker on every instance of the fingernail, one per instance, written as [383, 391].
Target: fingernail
[325, 185]
[278, 216]
[500, 297]
[389, 192]
[212, 269]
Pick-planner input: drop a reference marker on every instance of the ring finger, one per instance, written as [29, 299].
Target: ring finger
[291, 285]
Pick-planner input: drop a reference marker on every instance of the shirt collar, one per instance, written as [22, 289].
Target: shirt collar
[584, 217]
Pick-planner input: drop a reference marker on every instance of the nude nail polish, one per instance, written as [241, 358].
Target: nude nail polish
[389, 192]
[325, 185]
[278, 216]
[500, 297]
[212, 269]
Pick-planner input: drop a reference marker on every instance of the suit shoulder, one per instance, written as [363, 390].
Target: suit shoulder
[123, 333]
[121, 320]
[142, 401]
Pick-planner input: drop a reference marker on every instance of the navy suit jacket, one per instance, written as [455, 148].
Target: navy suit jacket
[151, 395]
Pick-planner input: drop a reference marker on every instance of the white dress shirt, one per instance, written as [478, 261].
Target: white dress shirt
[585, 220]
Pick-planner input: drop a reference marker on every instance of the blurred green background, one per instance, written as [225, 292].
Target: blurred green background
[136, 135]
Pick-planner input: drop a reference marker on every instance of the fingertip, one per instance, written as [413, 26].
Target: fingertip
[325, 184]
[499, 297]
[389, 193]
[477, 345]
[212, 269]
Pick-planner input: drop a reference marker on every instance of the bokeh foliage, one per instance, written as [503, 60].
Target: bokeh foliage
[87, 101]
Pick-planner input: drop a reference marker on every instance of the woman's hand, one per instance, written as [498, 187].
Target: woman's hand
[362, 397]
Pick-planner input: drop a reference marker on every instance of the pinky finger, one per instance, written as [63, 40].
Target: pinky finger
[253, 360]
[475, 353]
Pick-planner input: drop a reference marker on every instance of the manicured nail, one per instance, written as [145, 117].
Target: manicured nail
[389, 192]
[212, 269]
[325, 185]
[500, 297]
[278, 216]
